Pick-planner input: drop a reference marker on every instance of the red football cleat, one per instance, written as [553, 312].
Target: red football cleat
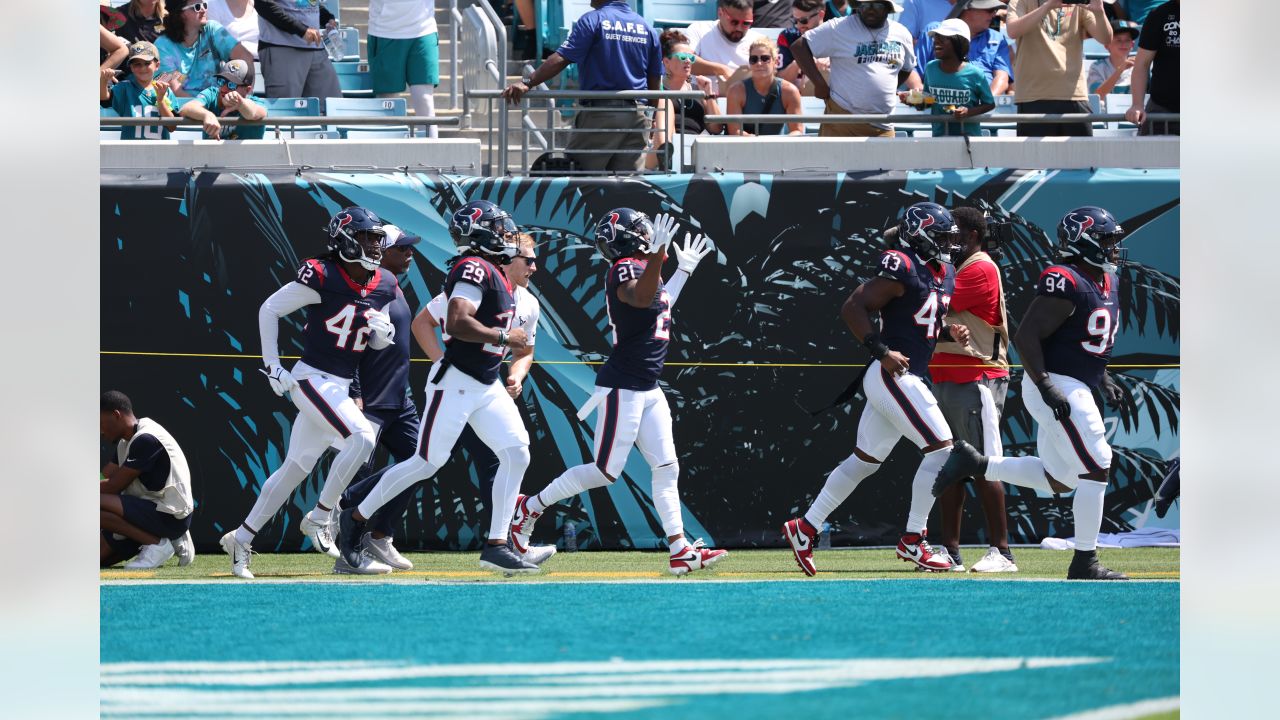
[695, 557]
[798, 534]
[915, 549]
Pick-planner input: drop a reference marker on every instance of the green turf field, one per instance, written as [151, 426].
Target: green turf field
[610, 634]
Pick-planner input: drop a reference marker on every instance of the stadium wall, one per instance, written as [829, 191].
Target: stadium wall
[188, 257]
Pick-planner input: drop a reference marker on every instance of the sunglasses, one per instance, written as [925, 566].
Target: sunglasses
[196, 7]
[527, 259]
[682, 56]
[804, 20]
[754, 59]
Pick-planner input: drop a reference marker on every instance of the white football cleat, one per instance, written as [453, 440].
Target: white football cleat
[539, 554]
[383, 550]
[185, 549]
[522, 525]
[321, 535]
[239, 553]
[694, 557]
[369, 565]
[152, 556]
[994, 562]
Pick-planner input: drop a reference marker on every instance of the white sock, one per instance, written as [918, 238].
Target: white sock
[1087, 507]
[666, 500]
[355, 452]
[512, 463]
[573, 481]
[275, 492]
[243, 536]
[424, 104]
[922, 489]
[319, 515]
[840, 483]
[1026, 471]
[394, 481]
[679, 545]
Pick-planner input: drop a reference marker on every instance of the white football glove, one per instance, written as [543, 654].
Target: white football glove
[695, 248]
[664, 229]
[380, 324]
[280, 379]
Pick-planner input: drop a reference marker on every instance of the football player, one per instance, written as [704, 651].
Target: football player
[911, 291]
[1065, 341]
[635, 410]
[463, 387]
[344, 292]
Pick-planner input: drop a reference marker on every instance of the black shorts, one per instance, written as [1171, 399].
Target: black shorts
[144, 515]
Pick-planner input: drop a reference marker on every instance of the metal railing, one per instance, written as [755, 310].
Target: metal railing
[481, 58]
[314, 122]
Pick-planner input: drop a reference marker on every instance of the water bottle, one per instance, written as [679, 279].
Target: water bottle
[570, 537]
[333, 44]
[824, 540]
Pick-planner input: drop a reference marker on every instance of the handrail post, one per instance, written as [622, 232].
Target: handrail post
[454, 15]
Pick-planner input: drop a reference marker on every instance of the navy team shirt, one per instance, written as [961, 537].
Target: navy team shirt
[614, 48]
[910, 323]
[497, 308]
[383, 381]
[1081, 346]
[150, 459]
[640, 335]
[337, 333]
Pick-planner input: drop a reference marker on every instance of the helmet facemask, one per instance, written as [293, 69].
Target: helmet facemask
[363, 247]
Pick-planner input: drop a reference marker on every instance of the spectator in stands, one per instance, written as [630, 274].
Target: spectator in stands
[112, 50]
[920, 15]
[291, 49]
[958, 87]
[404, 49]
[871, 56]
[240, 18]
[839, 8]
[233, 95]
[722, 45]
[142, 20]
[1111, 74]
[1049, 63]
[1158, 52]
[615, 49]
[686, 116]
[764, 93]
[140, 94]
[805, 16]
[988, 47]
[145, 499]
[192, 46]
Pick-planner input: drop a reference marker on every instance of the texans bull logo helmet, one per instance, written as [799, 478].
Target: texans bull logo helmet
[1092, 235]
[929, 230]
[356, 235]
[485, 228]
[623, 232]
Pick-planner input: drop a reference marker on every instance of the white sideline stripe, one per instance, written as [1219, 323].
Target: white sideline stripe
[603, 672]
[1128, 711]
[254, 666]
[504, 710]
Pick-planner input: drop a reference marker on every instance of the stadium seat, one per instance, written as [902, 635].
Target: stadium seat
[1094, 50]
[677, 13]
[108, 132]
[810, 105]
[355, 79]
[1118, 104]
[357, 107]
[292, 107]
[259, 82]
[350, 43]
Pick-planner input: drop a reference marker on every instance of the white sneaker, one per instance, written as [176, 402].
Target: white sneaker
[185, 548]
[538, 554]
[994, 562]
[152, 556]
[322, 536]
[239, 553]
[369, 565]
[385, 551]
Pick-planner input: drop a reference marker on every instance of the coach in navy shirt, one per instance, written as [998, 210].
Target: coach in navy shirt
[615, 49]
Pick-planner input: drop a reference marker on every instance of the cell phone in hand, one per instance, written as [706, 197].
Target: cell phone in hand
[1075, 2]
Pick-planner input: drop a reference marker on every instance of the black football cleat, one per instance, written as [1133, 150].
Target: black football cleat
[1085, 566]
[963, 463]
[350, 532]
[502, 559]
[1170, 489]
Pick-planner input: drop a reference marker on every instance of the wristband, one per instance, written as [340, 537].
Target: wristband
[502, 338]
[874, 346]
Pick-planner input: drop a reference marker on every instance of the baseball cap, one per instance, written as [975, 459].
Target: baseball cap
[397, 237]
[236, 72]
[951, 28]
[963, 5]
[1129, 26]
[143, 49]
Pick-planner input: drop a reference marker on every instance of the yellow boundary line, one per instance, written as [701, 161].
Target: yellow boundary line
[228, 356]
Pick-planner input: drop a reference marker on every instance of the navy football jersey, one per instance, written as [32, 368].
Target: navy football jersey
[910, 323]
[640, 335]
[1081, 346]
[497, 308]
[384, 374]
[337, 333]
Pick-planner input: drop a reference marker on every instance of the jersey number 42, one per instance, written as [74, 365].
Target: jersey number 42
[340, 325]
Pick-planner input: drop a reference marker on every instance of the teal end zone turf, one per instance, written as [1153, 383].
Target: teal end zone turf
[1121, 637]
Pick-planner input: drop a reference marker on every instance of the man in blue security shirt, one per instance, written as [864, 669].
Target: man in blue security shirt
[615, 49]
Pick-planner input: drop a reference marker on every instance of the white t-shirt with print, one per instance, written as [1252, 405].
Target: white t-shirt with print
[711, 44]
[527, 312]
[864, 63]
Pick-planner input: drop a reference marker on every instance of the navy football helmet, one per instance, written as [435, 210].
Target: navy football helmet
[623, 232]
[485, 228]
[929, 230]
[1092, 235]
[356, 235]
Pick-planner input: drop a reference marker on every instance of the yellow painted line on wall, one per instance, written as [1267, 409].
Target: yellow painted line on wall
[227, 356]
